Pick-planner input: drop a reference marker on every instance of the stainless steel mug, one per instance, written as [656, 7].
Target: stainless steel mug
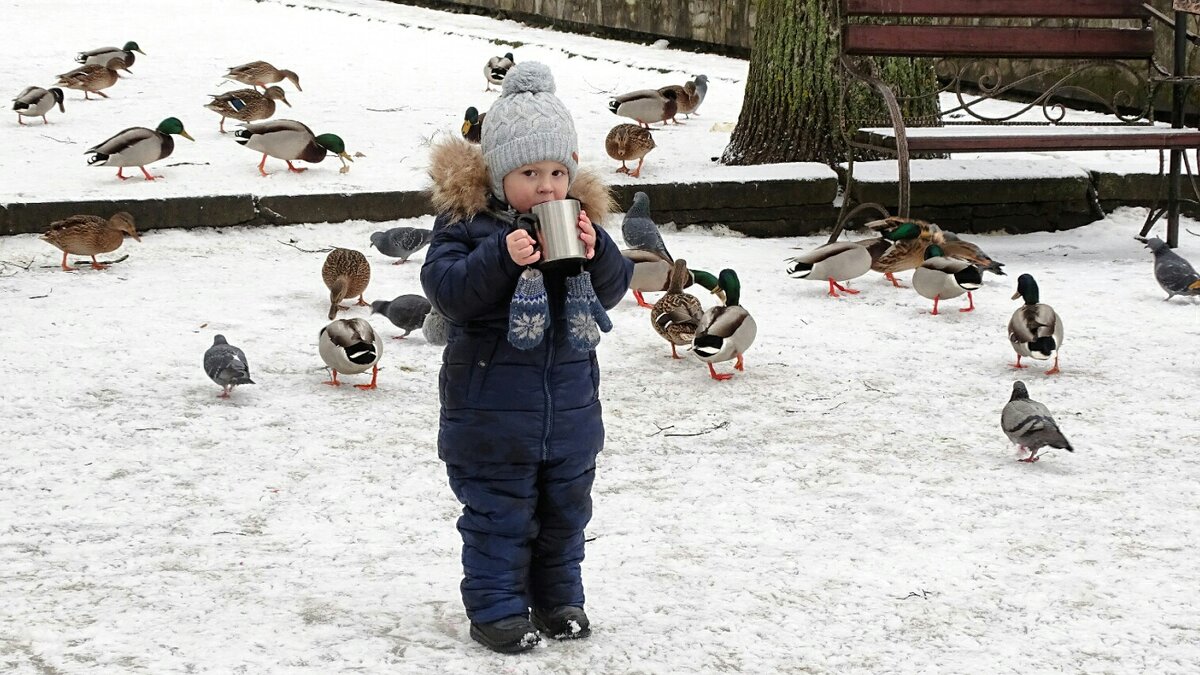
[557, 231]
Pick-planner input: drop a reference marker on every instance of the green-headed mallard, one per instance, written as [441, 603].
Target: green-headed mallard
[246, 105]
[940, 278]
[260, 74]
[627, 142]
[138, 146]
[676, 315]
[1035, 329]
[349, 347]
[726, 331]
[290, 140]
[36, 102]
[902, 245]
[652, 274]
[90, 236]
[839, 261]
[496, 69]
[954, 247]
[645, 106]
[472, 126]
[92, 78]
[101, 56]
[346, 273]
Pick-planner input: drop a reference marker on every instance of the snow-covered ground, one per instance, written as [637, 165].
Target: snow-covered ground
[848, 504]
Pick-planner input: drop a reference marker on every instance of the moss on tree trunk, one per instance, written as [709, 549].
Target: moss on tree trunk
[791, 108]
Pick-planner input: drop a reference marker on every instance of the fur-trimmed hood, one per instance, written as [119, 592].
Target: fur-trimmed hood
[461, 183]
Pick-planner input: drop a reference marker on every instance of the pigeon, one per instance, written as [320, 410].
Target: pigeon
[1029, 424]
[1173, 273]
[435, 329]
[226, 365]
[640, 232]
[406, 312]
[401, 242]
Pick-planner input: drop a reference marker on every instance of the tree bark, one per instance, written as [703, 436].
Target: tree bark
[790, 110]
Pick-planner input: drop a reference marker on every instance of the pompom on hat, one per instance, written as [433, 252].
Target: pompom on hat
[528, 124]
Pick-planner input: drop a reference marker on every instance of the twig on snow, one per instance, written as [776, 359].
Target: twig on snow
[661, 429]
[924, 594]
[25, 267]
[80, 263]
[397, 109]
[834, 408]
[240, 534]
[58, 140]
[39, 297]
[709, 430]
[305, 250]
[1190, 232]
[870, 388]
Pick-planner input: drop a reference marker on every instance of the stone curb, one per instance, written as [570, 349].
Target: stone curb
[765, 208]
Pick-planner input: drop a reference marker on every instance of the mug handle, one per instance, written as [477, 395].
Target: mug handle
[529, 223]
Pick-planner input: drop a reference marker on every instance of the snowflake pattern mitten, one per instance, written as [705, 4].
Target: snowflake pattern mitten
[529, 312]
[585, 315]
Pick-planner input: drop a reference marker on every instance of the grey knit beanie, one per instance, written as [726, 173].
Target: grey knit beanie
[528, 124]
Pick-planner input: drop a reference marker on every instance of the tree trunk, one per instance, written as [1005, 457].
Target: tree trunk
[790, 111]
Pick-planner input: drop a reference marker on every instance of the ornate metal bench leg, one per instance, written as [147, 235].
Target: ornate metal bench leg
[844, 211]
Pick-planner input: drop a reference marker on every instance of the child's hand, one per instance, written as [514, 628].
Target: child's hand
[522, 248]
[587, 234]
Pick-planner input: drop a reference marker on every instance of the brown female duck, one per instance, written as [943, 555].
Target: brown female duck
[676, 316]
[260, 74]
[346, 273]
[246, 105]
[627, 142]
[90, 235]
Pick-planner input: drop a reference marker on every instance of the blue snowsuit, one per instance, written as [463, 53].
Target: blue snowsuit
[519, 430]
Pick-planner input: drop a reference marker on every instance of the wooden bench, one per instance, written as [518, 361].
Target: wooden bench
[1059, 35]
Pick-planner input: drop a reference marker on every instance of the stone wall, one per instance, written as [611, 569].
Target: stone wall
[722, 26]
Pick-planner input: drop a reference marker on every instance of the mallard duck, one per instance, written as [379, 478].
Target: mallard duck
[941, 278]
[904, 250]
[260, 74]
[246, 105]
[101, 56]
[689, 96]
[36, 102]
[91, 79]
[226, 365]
[645, 106]
[138, 146]
[346, 273]
[839, 261]
[349, 347]
[90, 236]
[472, 126]
[676, 315]
[726, 331]
[290, 140]
[652, 274]
[954, 247]
[627, 142]
[496, 69]
[1035, 330]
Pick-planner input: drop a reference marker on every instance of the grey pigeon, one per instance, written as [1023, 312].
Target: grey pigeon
[226, 365]
[701, 82]
[639, 230]
[435, 328]
[401, 242]
[1029, 424]
[406, 312]
[1173, 273]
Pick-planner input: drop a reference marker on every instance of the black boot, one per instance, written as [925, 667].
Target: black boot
[510, 635]
[563, 623]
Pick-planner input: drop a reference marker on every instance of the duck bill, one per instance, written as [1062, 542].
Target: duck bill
[285, 102]
[465, 128]
[140, 52]
[186, 135]
[345, 156]
[1016, 295]
[135, 236]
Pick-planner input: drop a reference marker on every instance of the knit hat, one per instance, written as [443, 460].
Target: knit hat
[528, 124]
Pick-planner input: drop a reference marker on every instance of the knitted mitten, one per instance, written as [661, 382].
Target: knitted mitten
[529, 312]
[584, 313]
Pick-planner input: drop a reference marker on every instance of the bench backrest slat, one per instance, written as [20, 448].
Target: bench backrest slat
[1038, 9]
[997, 41]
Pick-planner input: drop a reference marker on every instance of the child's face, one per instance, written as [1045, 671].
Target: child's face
[531, 184]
